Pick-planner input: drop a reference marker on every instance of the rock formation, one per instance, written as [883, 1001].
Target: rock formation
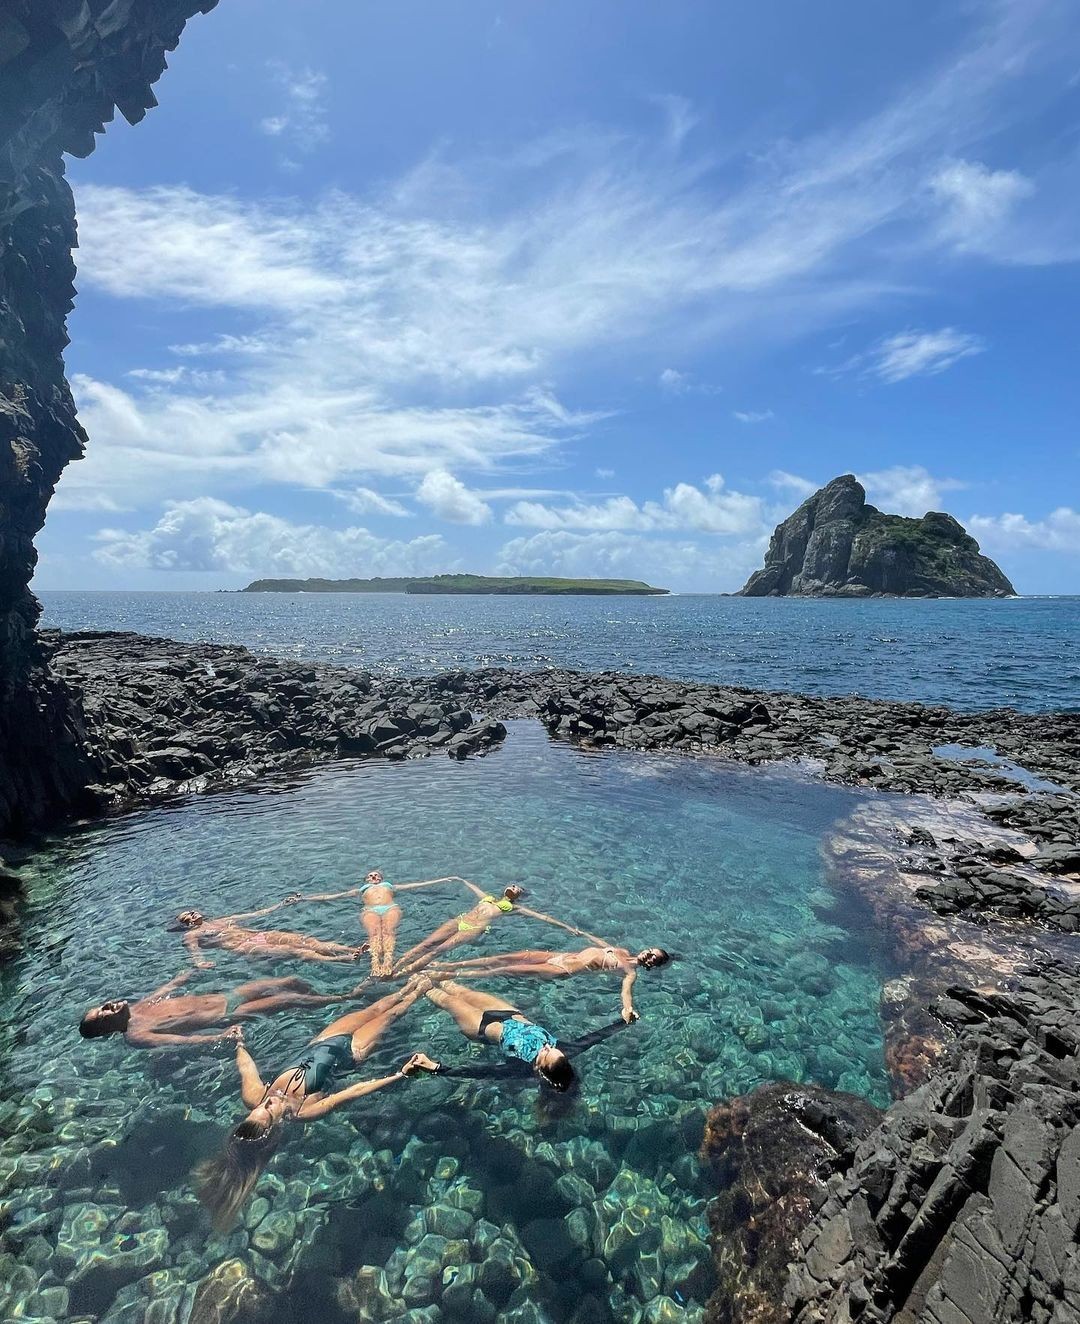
[835, 545]
[66, 66]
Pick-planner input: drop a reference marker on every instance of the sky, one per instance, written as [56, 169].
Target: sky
[579, 289]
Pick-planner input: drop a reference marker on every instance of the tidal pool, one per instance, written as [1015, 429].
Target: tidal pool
[437, 1200]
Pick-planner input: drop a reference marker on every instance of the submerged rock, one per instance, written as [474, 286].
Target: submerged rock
[768, 1154]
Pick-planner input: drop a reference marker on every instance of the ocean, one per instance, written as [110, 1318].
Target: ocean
[968, 654]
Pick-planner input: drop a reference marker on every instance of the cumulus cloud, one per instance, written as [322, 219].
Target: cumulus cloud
[210, 535]
[684, 506]
[908, 489]
[449, 499]
[1057, 532]
[752, 415]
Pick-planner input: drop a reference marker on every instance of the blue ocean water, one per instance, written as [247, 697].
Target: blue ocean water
[439, 1199]
[969, 654]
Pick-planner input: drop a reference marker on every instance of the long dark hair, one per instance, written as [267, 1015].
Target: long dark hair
[224, 1182]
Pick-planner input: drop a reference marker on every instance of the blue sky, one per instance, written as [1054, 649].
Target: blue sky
[576, 289]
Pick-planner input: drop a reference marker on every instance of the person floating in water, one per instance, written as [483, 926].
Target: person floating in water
[472, 924]
[380, 914]
[560, 965]
[161, 1019]
[527, 1045]
[300, 1093]
[227, 933]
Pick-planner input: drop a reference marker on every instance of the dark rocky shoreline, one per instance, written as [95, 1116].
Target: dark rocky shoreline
[960, 1204]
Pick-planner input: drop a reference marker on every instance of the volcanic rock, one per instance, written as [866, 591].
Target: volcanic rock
[837, 545]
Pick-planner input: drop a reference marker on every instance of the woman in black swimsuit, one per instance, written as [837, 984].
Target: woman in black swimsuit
[299, 1093]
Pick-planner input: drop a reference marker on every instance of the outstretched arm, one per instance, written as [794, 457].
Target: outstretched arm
[628, 1012]
[252, 1088]
[320, 1107]
[431, 882]
[320, 896]
[559, 924]
[159, 1039]
[252, 914]
[191, 942]
[166, 989]
[590, 1040]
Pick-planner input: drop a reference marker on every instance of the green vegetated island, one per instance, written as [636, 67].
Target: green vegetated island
[510, 586]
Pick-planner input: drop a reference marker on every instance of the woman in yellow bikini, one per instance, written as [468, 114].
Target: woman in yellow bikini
[470, 925]
[561, 965]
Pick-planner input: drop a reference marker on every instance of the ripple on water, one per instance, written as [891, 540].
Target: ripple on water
[454, 1200]
[968, 653]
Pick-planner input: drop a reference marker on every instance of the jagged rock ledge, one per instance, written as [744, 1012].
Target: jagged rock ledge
[157, 719]
[154, 718]
[961, 1207]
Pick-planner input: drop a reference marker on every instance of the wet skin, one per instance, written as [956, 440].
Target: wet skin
[162, 1019]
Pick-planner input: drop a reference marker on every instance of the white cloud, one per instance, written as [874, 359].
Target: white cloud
[680, 118]
[792, 483]
[1057, 532]
[604, 473]
[662, 562]
[922, 353]
[148, 446]
[684, 506]
[976, 200]
[911, 353]
[426, 325]
[210, 535]
[302, 123]
[752, 415]
[908, 489]
[674, 382]
[449, 499]
[364, 501]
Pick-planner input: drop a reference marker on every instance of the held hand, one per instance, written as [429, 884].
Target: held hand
[630, 1015]
[419, 1062]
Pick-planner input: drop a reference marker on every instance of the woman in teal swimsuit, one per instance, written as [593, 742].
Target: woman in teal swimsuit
[299, 1093]
[485, 1017]
[380, 915]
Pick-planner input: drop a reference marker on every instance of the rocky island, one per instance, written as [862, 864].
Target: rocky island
[495, 585]
[835, 545]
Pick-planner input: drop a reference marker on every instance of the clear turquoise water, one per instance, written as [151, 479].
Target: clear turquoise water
[968, 654]
[437, 1200]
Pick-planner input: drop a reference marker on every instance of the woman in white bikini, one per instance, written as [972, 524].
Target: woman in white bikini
[227, 933]
[561, 965]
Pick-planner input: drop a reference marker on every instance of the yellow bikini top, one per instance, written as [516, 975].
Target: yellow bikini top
[502, 903]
